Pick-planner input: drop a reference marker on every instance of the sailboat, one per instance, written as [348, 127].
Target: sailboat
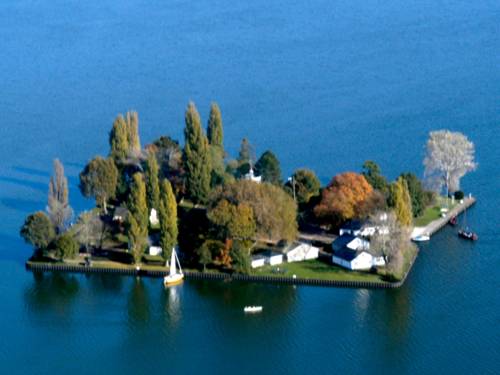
[174, 276]
[467, 234]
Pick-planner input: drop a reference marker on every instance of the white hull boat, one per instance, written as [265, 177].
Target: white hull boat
[252, 309]
[421, 238]
[175, 276]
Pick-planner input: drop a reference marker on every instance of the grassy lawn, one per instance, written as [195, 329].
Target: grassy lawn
[433, 213]
[315, 269]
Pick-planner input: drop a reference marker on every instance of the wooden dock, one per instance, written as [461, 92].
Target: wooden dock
[436, 225]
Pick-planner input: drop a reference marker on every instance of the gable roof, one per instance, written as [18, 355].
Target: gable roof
[342, 241]
[346, 254]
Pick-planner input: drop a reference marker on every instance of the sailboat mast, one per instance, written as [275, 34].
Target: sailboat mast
[178, 262]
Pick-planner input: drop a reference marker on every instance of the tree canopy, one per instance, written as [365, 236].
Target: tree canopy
[168, 219]
[344, 198]
[233, 221]
[307, 185]
[118, 139]
[402, 203]
[99, 179]
[372, 174]
[274, 211]
[38, 230]
[449, 156]
[196, 157]
[417, 193]
[215, 132]
[60, 212]
[65, 246]
[152, 182]
[269, 168]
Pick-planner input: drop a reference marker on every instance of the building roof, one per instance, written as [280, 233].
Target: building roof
[342, 241]
[346, 254]
[267, 253]
[352, 225]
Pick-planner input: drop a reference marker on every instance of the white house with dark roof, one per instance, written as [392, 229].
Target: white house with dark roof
[352, 252]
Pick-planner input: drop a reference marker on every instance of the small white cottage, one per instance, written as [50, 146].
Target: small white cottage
[357, 260]
[258, 261]
[252, 177]
[300, 251]
[155, 250]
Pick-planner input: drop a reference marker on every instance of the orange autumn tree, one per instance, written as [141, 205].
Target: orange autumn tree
[344, 198]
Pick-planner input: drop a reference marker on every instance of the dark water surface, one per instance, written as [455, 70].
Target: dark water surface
[325, 84]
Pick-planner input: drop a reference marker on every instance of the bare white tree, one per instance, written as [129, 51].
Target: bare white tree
[90, 229]
[449, 156]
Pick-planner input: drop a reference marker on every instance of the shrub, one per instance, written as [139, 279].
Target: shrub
[459, 195]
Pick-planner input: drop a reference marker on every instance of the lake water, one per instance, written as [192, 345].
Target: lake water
[325, 84]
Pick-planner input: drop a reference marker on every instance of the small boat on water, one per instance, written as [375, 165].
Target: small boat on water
[421, 238]
[252, 309]
[175, 276]
[453, 221]
[467, 235]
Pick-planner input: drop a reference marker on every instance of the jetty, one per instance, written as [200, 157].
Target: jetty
[437, 224]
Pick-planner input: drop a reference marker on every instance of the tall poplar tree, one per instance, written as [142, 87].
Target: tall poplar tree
[168, 219]
[138, 218]
[402, 203]
[196, 157]
[60, 212]
[134, 143]
[152, 183]
[214, 129]
[118, 139]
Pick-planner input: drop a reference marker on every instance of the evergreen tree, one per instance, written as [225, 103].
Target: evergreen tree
[214, 130]
[196, 157]
[268, 167]
[118, 139]
[58, 207]
[372, 173]
[152, 183]
[65, 246]
[417, 193]
[402, 203]
[99, 179]
[132, 126]
[168, 219]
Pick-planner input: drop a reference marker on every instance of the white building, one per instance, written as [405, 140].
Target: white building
[153, 217]
[352, 227]
[258, 261]
[300, 251]
[252, 177]
[155, 250]
[273, 258]
[352, 253]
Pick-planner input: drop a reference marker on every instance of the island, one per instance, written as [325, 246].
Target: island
[237, 218]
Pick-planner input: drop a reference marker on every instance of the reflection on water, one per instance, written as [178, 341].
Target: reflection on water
[361, 304]
[51, 292]
[171, 302]
[138, 303]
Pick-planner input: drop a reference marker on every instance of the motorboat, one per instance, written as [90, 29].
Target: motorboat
[453, 221]
[252, 309]
[421, 238]
[467, 235]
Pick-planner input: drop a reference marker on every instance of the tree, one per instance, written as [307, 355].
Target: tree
[402, 203]
[99, 179]
[152, 183]
[38, 230]
[214, 129]
[60, 212]
[118, 139]
[240, 255]
[137, 238]
[168, 219]
[247, 153]
[417, 193]
[65, 247]
[204, 254]
[343, 198]
[132, 126]
[392, 240]
[196, 157]
[305, 184]
[449, 156]
[371, 172]
[274, 211]
[90, 229]
[268, 167]
[233, 221]
[137, 204]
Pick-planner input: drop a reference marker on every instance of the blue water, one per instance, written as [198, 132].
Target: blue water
[324, 84]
